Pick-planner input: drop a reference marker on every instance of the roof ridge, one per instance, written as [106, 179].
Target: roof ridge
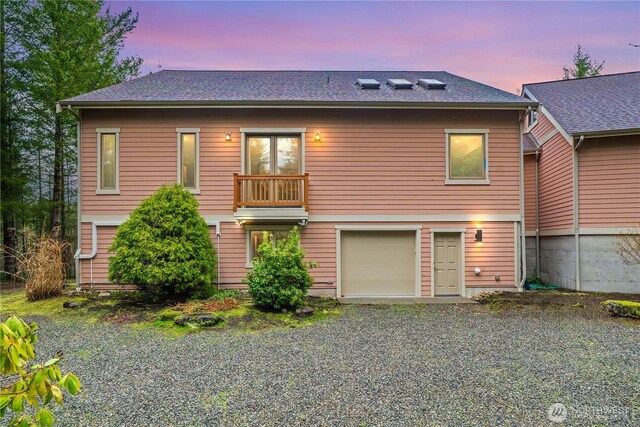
[581, 78]
[308, 71]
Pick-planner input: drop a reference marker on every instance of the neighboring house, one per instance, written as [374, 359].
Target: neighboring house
[582, 180]
[403, 186]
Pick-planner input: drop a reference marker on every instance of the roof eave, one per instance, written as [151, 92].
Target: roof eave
[297, 104]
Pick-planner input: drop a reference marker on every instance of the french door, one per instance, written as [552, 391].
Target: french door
[276, 157]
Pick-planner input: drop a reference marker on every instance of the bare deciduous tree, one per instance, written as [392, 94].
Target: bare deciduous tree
[628, 246]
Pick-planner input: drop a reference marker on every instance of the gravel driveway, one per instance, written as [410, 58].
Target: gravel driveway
[392, 366]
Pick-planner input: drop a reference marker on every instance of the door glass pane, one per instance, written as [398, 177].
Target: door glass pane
[288, 155]
[188, 155]
[108, 161]
[466, 157]
[259, 155]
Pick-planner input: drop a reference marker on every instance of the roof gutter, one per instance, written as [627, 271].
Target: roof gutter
[297, 104]
[603, 133]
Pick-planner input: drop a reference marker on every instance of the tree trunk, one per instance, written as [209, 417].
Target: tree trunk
[6, 166]
[57, 202]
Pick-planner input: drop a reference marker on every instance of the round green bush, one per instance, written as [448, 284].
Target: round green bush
[164, 247]
[280, 276]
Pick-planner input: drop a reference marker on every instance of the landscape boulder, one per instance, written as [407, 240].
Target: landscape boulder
[198, 320]
[72, 304]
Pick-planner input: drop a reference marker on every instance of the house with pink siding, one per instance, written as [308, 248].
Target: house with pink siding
[582, 180]
[404, 184]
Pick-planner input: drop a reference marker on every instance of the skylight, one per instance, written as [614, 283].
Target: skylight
[432, 84]
[400, 84]
[368, 83]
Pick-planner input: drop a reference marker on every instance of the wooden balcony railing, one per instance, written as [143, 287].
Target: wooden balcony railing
[270, 191]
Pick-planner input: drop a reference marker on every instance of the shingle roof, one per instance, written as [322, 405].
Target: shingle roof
[593, 104]
[291, 87]
[529, 143]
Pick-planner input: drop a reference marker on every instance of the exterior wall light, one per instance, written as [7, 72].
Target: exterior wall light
[317, 137]
[478, 235]
[227, 137]
[477, 271]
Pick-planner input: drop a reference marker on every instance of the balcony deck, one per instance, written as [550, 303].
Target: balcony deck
[271, 197]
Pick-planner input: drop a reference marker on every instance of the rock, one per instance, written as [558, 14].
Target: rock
[104, 294]
[622, 308]
[198, 320]
[72, 304]
[305, 312]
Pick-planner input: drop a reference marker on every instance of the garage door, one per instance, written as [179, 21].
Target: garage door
[377, 263]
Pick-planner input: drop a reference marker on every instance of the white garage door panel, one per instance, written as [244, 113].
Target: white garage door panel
[378, 263]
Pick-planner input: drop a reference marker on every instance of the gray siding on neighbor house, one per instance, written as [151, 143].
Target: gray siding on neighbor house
[601, 268]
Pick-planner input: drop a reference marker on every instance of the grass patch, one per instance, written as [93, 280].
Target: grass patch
[237, 311]
[583, 303]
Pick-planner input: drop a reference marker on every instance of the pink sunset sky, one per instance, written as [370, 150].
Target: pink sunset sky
[503, 44]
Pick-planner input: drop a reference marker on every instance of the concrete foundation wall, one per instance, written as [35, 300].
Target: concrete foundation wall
[558, 260]
[601, 269]
[531, 256]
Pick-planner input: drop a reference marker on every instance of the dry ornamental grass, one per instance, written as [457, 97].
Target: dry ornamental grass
[41, 266]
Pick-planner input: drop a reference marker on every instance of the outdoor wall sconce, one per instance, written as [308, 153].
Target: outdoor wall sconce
[478, 235]
[477, 271]
[317, 137]
[227, 137]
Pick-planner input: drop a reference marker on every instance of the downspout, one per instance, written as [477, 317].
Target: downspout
[218, 234]
[576, 211]
[94, 250]
[523, 250]
[537, 212]
[77, 264]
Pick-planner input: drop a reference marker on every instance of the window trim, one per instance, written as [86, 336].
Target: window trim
[467, 181]
[180, 132]
[246, 132]
[99, 189]
[249, 228]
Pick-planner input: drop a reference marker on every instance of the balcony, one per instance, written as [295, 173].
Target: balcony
[276, 198]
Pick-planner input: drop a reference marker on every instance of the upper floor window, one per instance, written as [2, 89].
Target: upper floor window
[188, 158]
[467, 157]
[273, 155]
[532, 118]
[108, 153]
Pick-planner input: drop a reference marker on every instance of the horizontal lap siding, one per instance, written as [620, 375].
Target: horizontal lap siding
[530, 192]
[367, 162]
[556, 184]
[494, 256]
[609, 182]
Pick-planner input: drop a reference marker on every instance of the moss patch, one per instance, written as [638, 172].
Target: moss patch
[622, 308]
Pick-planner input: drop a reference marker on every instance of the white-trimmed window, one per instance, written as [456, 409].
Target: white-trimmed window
[108, 178]
[255, 237]
[467, 156]
[189, 159]
[532, 118]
